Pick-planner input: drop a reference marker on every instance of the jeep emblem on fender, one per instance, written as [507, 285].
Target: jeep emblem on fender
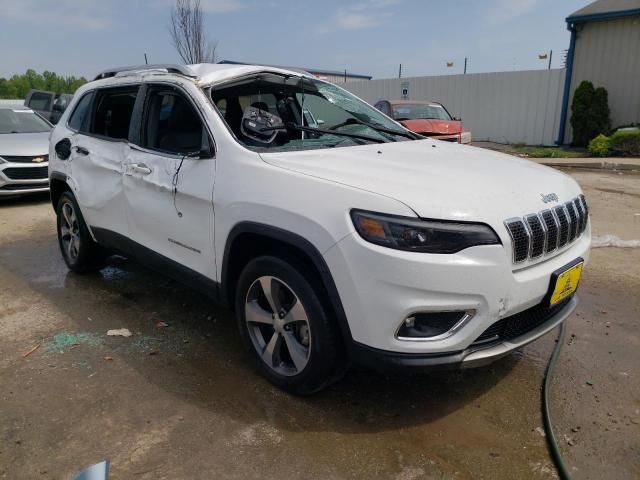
[549, 197]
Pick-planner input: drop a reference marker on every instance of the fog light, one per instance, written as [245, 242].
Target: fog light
[432, 325]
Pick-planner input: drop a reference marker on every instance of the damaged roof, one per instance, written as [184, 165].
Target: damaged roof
[204, 73]
[312, 71]
[208, 73]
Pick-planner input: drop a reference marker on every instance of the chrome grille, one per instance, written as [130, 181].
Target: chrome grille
[573, 220]
[26, 173]
[22, 159]
[563, 221]
[582, 224]
[536, 230]
[551, 224]
[520, 239]
[541, 233]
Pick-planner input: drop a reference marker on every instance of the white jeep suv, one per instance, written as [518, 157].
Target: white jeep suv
[346, 238]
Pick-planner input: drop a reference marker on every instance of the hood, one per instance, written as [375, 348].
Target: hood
[437, 180]
[433, 125]
[24, 144]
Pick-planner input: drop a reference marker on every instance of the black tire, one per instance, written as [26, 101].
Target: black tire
[88, 256]
[325, 354]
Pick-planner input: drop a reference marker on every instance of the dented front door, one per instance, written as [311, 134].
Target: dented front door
[97, 167]
[170, 209]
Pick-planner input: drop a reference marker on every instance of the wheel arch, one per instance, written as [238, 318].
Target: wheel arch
[57, 186]
[247, 240]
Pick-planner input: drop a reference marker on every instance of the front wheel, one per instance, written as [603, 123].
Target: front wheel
[288, 331]
[79, 251]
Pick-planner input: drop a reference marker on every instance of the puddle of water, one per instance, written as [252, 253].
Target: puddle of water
[599, 241]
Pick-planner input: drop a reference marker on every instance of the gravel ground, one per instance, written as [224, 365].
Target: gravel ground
[182, 401]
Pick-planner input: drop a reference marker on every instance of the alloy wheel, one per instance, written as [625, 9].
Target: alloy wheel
[70, 232]
[278, 325]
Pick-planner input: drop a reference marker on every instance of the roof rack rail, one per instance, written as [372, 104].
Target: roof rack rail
[181, 69]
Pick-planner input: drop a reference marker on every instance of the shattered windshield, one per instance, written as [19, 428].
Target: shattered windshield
[272, 112]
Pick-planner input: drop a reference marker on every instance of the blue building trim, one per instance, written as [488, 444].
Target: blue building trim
[567, 84]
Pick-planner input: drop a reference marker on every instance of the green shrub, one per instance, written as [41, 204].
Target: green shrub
[600, 146]
[626, 143]
[589, 113]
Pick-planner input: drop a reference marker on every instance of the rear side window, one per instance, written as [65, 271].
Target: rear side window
[114, 108]
[40, 101]
[79, 120]
[384, 108]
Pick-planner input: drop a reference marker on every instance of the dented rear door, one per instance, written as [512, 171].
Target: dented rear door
[97, 167]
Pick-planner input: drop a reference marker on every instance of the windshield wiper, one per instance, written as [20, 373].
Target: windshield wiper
[377, 127]
[302, 128]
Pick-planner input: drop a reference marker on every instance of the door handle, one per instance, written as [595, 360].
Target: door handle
[141, 168]
[82, 151]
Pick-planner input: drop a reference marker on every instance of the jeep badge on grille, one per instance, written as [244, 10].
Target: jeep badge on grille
[549, 197]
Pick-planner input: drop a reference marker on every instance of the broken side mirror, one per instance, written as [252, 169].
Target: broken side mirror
[63, 149]
[260, 125]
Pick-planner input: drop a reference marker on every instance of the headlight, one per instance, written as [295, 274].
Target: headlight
[415, 235]
[465, 137]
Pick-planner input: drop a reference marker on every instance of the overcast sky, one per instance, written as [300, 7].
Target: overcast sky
[82, 37]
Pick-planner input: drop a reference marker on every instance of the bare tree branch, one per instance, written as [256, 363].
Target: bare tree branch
[188, 35]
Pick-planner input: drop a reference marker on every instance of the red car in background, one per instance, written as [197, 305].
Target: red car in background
[426, 118]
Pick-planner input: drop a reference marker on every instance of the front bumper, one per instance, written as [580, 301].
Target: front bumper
[464, 137]
[23, 178]
[474, 356]
[380, 287]
[446, 138]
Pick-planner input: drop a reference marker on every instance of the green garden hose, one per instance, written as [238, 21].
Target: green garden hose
[551, 438]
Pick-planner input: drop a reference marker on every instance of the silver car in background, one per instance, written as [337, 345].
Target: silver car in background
[24, 148]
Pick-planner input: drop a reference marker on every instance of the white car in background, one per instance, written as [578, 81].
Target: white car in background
[334, 233]
[24, 151]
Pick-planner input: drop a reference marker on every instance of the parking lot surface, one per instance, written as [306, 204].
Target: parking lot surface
[179, 398]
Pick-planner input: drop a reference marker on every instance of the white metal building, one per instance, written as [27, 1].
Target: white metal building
[604, 49]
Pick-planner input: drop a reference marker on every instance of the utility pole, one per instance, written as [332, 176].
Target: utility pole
[465, 65]
[146, 62]
[550, 57]
[400, 71]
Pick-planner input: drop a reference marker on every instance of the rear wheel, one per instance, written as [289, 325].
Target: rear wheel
[289, 332]
[79, 251]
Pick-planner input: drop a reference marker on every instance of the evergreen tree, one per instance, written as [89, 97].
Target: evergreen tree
[589, 113]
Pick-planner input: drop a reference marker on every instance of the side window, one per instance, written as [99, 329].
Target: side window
[40, 101]
[172, 125]
[79, 120]
[222, 106]
[384, 108]
[114, 108]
